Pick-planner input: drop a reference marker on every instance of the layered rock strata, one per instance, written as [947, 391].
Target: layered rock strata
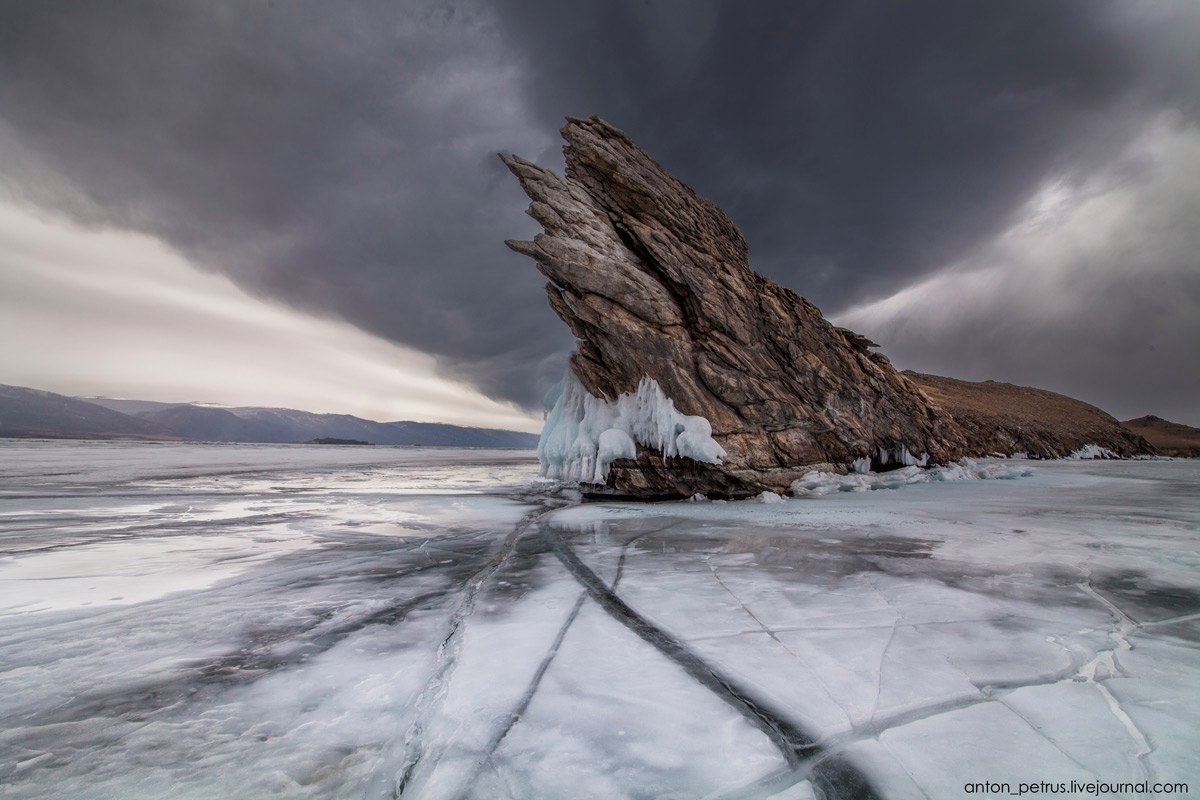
[655, 283]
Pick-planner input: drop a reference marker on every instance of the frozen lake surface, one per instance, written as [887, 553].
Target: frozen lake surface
[200, 621]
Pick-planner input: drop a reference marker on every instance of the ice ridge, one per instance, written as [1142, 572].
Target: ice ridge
[816, 483]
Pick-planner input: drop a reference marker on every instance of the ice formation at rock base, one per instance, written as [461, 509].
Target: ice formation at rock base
[817, 483]
[1092, 451]
[861, 478]
[585, 434]
[899, 456]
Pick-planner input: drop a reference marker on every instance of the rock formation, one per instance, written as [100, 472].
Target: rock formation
[678, 336]
[1003, 418]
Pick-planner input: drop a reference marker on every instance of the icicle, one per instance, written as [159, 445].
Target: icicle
[584, 434]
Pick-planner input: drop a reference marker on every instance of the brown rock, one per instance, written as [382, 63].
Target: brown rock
[1168, 438]
[654, 281]
[1003, 418]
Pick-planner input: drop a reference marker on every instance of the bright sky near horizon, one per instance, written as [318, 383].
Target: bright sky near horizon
[90, 312]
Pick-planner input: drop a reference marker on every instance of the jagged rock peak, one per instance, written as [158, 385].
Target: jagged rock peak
[655, 283]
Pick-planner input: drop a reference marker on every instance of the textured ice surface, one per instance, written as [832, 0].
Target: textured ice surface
[192, 621]
[1023, 630]
[584, 434]
[816, 483]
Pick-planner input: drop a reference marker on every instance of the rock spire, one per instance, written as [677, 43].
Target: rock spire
[655, 283]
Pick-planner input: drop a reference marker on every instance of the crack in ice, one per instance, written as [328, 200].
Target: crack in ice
[1043, 734]
[836, 778]
[437, 684]
[1123, 627]
[771, 632]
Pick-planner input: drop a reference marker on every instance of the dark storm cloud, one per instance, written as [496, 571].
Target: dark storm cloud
[861, 143]
[340, 157]
[1095, 292]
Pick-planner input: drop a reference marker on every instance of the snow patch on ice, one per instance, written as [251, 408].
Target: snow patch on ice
[1089, 451]
[816, 483]
[584, 434]
[770, 497]
[135, 570]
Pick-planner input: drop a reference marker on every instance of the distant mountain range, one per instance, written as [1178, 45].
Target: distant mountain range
[34, 413]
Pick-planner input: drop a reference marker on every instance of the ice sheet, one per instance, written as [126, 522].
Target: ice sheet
[1008, 615]
[192, 625]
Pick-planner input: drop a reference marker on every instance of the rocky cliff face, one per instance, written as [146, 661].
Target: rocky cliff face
[678, 336]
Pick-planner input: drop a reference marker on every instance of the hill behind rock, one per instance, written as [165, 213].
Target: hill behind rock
[1169, 438]
[1004, 418]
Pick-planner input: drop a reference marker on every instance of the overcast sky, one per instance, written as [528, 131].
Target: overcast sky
[990, 190]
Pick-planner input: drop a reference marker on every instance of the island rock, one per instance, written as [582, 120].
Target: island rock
[694, 374]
